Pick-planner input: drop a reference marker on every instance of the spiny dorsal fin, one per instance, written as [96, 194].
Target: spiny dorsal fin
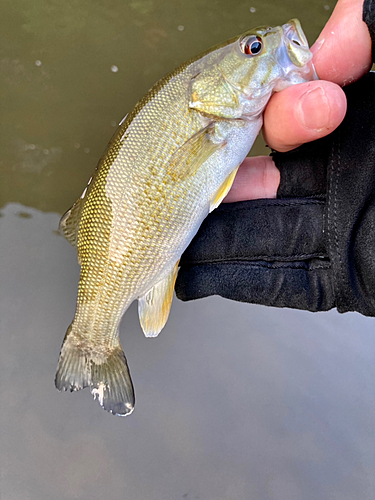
[223, 190]
[69, 222]
[187, 159]
[154, 306]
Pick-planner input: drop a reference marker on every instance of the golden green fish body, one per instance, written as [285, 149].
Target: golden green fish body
[170, 163]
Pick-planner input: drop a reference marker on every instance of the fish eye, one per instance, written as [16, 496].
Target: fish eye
[252, 45]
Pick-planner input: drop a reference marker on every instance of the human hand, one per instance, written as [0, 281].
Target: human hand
[309, 111]
[312, 247]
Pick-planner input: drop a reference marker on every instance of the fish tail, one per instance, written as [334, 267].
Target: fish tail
[107, 375]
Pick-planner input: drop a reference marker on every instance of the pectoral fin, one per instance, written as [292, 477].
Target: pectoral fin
[187, 159]
[154, 306]
[223, 190]
[69, 222]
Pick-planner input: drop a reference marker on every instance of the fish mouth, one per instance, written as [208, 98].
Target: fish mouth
[293, 31]
[294, 55]
[296, 44]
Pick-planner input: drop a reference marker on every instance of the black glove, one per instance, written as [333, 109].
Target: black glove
[311, 248]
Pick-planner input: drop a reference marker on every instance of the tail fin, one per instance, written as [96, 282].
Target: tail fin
[108, 377]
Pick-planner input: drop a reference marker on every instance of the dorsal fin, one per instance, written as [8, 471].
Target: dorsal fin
[69, 222]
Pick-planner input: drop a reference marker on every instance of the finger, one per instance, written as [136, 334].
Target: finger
[303, 113]
[342, 53]
[256, 178]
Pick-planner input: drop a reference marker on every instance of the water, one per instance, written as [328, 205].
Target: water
[234, 401]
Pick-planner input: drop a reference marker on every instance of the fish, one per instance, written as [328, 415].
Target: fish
[171, 162]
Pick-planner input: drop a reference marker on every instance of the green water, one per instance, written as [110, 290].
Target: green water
[71, 70]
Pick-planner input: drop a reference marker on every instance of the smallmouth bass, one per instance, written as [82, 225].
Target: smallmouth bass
[171, 162]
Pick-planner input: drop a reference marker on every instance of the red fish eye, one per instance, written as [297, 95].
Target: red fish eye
[252, 46]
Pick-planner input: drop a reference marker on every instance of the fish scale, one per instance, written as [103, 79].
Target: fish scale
[171, 161]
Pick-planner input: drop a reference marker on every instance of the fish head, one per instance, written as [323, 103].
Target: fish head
[245, 72]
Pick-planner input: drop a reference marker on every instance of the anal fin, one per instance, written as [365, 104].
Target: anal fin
[223, 190]
[154, 306]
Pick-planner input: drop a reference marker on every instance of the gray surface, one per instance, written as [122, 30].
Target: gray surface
[233, 401]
